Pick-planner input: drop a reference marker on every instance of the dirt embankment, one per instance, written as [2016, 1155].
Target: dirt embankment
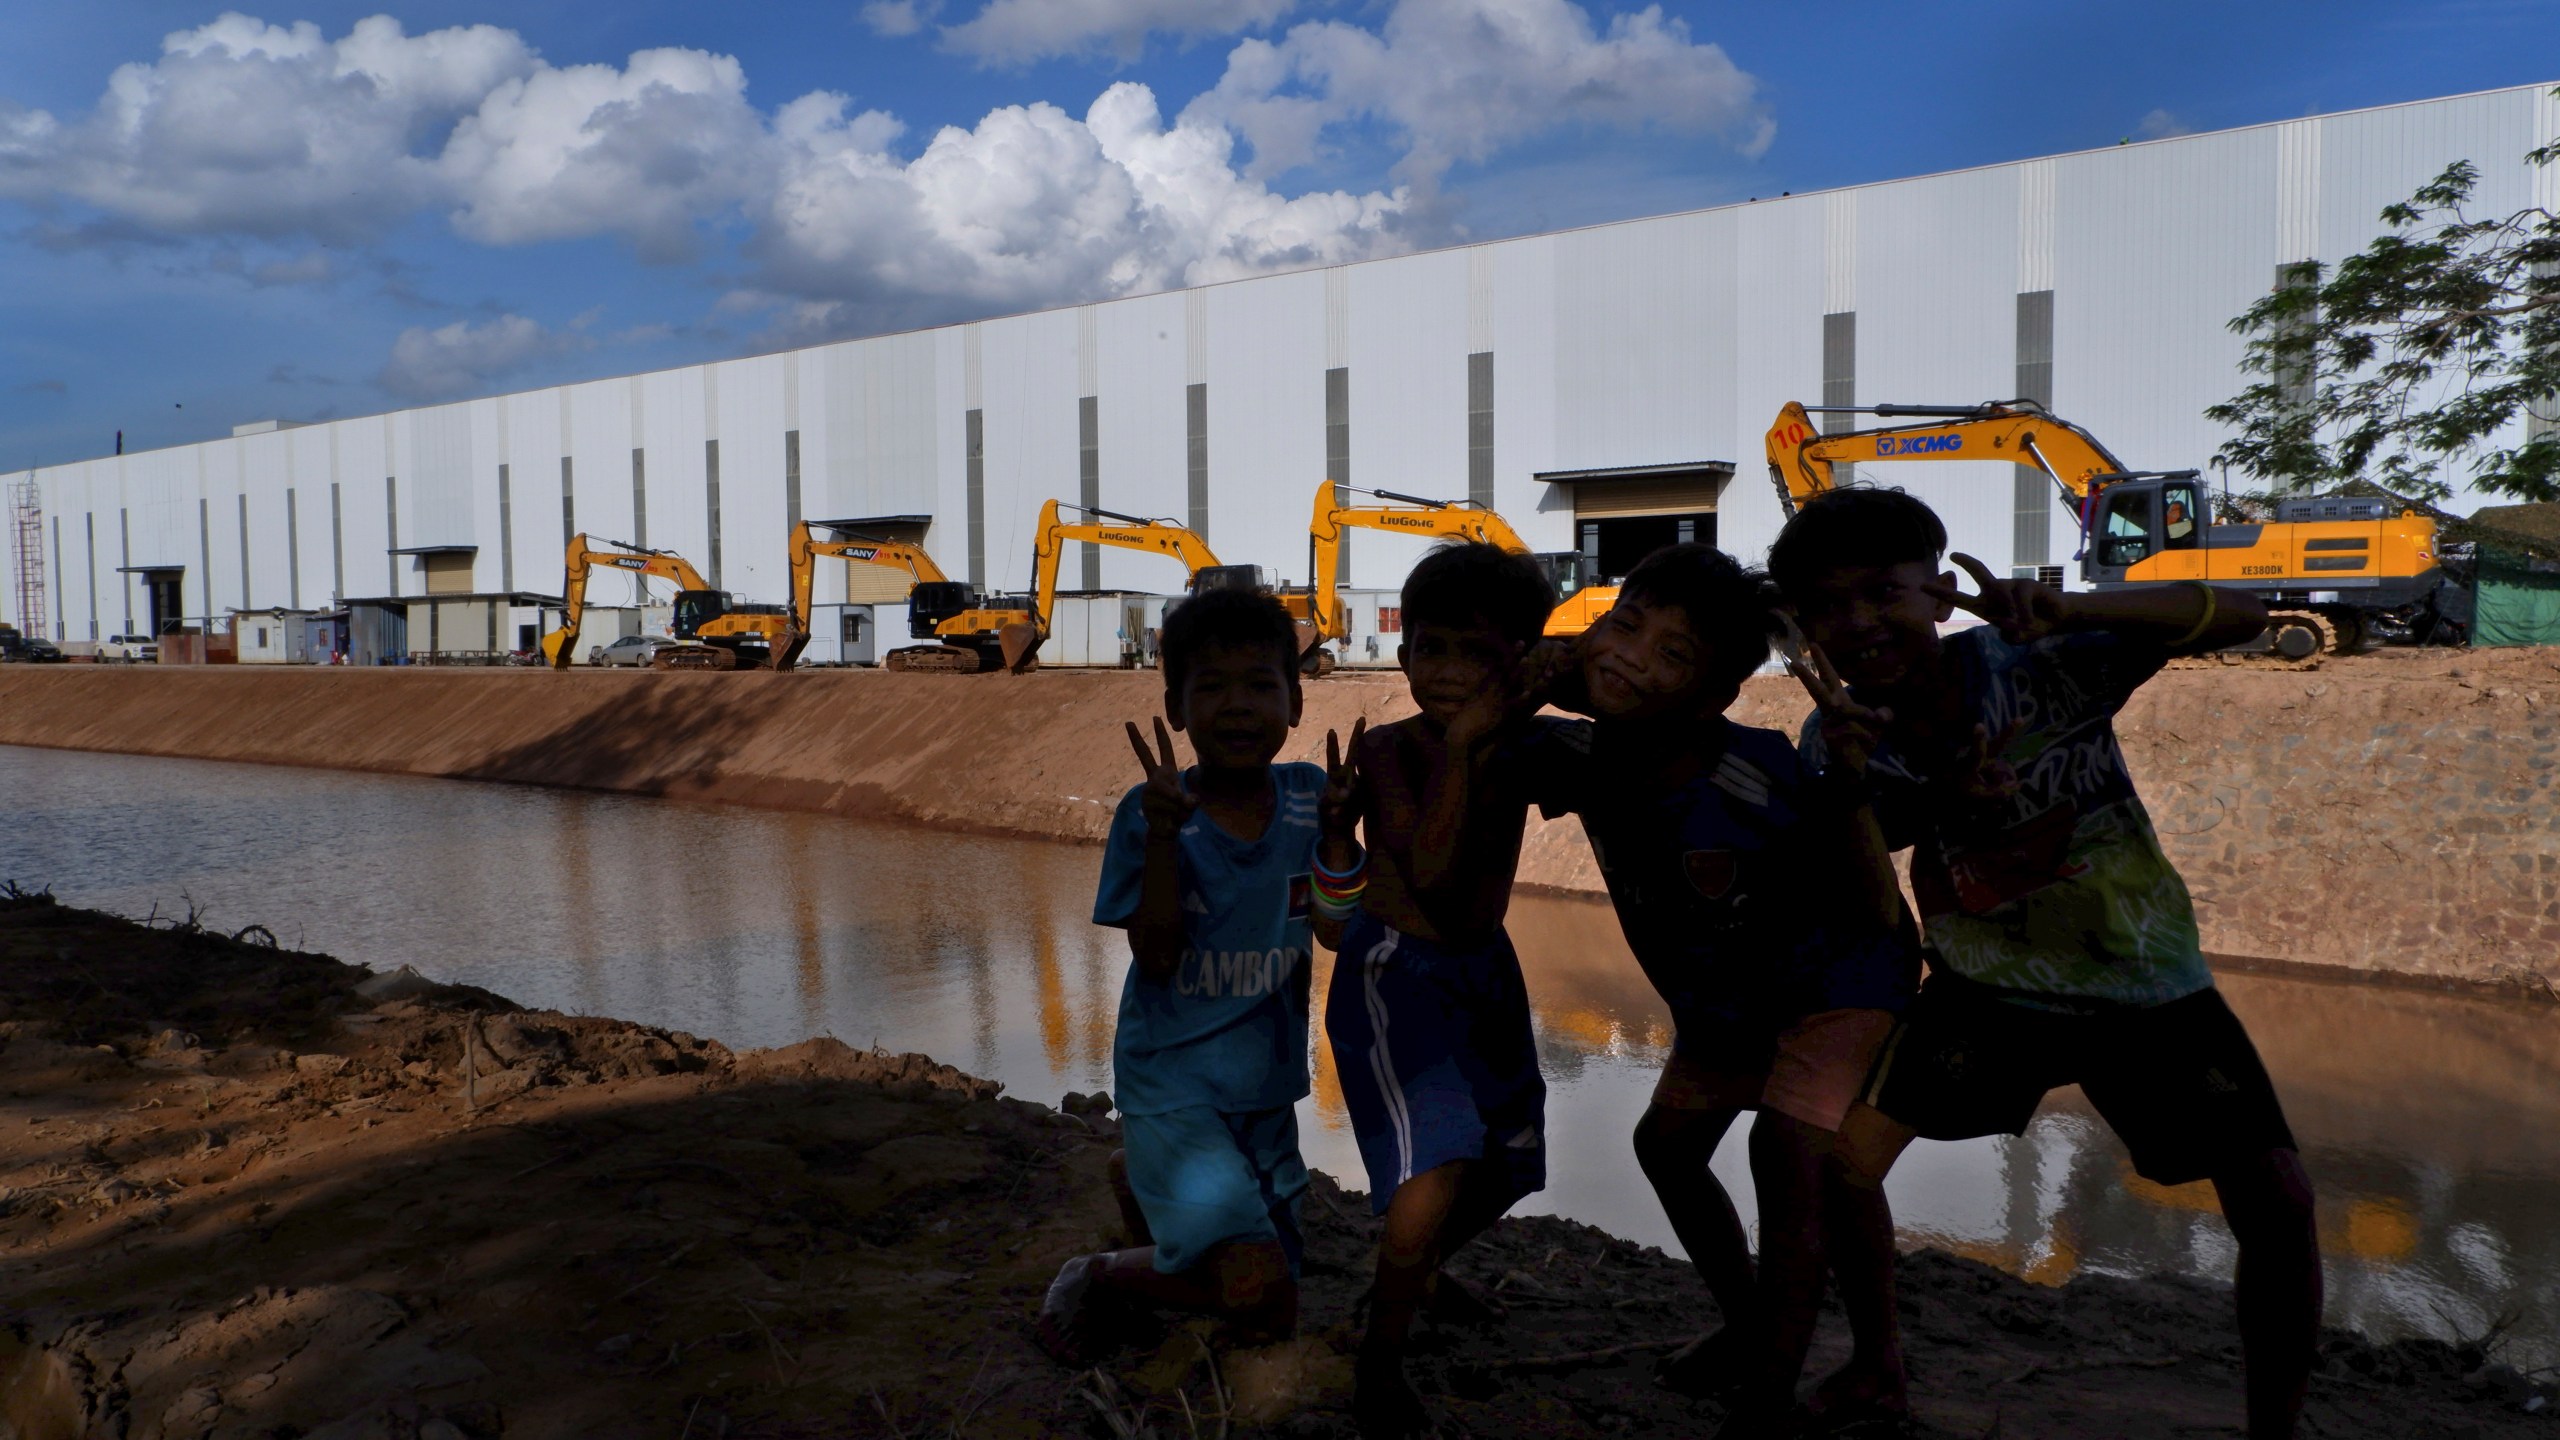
[249, 1192]
[2392, 812]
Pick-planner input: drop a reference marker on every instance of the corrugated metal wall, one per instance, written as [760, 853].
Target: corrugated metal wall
[1650, 342]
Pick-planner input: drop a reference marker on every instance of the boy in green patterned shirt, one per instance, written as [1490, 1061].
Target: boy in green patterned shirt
[2061, 943]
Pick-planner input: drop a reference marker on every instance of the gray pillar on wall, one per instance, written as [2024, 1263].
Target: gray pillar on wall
[568, 502]
[1337, 457]
[1089, 480]
[1840, 379]
[791, 479]
[91, 520]
[1195, 413]
[711, 502]
[506, 532]
[204, 558]
[975, 422]
[640, 497]
[2031, 541]
[244, 552]
[391, 513]
[293, 548]
[337, 550]
[60, 620]
[124, 574]
[1480, 428]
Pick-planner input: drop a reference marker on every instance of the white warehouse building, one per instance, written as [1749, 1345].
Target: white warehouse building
[1606, 389]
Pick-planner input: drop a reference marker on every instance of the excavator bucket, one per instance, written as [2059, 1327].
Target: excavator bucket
[1020, 644]
[555, 646]
[787, 647]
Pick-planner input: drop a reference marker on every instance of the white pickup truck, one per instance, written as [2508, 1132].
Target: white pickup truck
[129, 650]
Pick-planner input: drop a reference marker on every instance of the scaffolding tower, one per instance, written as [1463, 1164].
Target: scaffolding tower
[26, 549]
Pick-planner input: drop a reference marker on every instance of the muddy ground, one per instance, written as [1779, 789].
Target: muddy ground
[251, 1192]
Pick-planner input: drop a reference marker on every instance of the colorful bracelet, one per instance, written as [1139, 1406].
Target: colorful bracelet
[2212, 606]
[1338, 892]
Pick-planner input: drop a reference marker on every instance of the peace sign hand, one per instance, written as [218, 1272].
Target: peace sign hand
[1166, 804]
[1982, 776]
[1338, 808]
[1850, 731]
[2022, 610]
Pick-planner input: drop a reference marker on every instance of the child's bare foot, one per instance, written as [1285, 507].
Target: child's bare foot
[1071, 1327]
[1860, 1398]
[1383, 1403]
[1705, 1367]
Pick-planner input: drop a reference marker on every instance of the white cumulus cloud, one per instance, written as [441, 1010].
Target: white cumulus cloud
[242, 131]
[1462, 79]
[460, 358]
[1016, 32]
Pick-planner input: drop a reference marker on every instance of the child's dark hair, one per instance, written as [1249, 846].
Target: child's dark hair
[1216, 619]
[1861, 526]
[1728, 607]
[1467, 582]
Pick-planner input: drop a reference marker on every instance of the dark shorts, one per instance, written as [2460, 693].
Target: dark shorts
[2180, 1082]
[1436, 1058]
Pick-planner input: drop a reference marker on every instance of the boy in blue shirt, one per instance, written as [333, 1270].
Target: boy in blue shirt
[2062, 945]
[1212, 871]
[1427, 1014]
[1759, 899]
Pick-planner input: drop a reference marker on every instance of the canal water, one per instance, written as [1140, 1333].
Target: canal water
[2431, 1123]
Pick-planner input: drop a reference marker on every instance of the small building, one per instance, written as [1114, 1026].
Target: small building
[272, 637]
[2516, 599]
[448, 628]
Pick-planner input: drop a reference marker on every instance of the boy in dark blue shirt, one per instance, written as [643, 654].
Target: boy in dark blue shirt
[1212, 871]
[1760, 900]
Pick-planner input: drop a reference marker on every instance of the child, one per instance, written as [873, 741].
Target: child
[1760, 900]
[1427, 1013]
[1210, 870]
[2062, 945]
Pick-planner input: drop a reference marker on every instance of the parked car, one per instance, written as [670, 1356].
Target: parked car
[130, 649]
[629, 650]
[37, 650]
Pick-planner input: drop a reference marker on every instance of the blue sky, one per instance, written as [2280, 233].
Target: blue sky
[333, 209]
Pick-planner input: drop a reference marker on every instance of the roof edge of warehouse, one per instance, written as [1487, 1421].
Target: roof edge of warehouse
[262, 427]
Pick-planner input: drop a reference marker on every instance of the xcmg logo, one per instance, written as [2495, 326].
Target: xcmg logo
[1888, 446]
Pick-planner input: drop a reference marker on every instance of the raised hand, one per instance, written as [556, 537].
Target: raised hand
[1338, 808]
[1166, 804]
[1850, 731]
[1982, 775]
[2022, 610]
[1551, 661]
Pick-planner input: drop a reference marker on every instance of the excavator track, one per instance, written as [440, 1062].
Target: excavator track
[694, 657]
[2294, 640]
[940, 660]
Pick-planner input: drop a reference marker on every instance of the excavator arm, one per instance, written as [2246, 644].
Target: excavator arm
[1021, 639]
[1404, 515]
[1801, 458]
[806, 549]
[560, 647]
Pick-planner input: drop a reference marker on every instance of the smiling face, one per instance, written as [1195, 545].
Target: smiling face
[1237, 703]
[1642, 660]
[1877, 623]
[1448, 665]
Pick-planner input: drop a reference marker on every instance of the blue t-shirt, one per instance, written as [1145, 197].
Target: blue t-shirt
[1229, 1030]
[1717, 865]
[2060, 895]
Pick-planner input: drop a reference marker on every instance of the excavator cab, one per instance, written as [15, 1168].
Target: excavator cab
[697, 608]
[934, 601]
[2139, 516]
[1229, 577]
[1567, 571]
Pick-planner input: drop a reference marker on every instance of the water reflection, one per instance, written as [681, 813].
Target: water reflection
[2432, 1123]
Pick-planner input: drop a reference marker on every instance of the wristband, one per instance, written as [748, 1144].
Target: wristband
[1337, 892]
[2212, 606]
[1359, 866]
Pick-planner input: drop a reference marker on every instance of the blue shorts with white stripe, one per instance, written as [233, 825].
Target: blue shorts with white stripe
[1436, 1058]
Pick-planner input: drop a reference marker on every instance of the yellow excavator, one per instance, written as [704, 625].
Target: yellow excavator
[2330, 571]
[717, 632]
[806, 549]
[1578, 603]
[976, 633]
